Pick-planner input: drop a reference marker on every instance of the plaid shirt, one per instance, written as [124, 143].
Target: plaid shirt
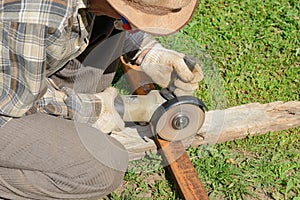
[37, 38]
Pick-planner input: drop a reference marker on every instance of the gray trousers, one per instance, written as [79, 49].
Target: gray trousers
[46, 157]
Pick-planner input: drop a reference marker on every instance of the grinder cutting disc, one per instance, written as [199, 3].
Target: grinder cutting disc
[178, 118]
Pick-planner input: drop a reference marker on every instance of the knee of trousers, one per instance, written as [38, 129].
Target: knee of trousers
[90, 179]
[96, 177]
[95, 183]
[105, 149]
[64, 158]
[36, 140]
[104, 172]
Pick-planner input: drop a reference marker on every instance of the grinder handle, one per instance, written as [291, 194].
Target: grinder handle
[140, 82]
[190, 61]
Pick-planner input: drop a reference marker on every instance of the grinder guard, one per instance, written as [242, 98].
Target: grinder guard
[178, 118]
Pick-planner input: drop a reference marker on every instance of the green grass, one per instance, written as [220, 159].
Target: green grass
[255, 46]
[262, 166]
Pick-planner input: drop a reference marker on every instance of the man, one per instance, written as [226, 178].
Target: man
[54, 122]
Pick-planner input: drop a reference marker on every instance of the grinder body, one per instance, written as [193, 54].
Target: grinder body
[140, 108]
[171, 118]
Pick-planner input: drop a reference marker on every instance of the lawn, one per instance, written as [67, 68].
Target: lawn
[255, 46]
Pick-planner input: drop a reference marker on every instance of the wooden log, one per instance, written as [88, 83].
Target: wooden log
[225, 125]
[250, 119]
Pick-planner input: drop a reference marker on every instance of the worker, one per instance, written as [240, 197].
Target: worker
[55, 113]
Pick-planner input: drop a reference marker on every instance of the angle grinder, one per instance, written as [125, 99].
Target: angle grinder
[171, 118]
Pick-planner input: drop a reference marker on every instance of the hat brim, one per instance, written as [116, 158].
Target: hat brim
[155, 24]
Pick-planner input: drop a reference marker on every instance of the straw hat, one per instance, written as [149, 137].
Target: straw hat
[161, 17]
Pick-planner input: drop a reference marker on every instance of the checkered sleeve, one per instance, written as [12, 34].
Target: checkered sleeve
[66, 103]
[24, 86]
[22, 67]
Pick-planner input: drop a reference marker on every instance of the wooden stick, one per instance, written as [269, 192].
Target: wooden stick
[174, 154]
[182, 170]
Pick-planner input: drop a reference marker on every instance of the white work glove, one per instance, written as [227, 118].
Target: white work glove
[159, 63]
[109, 119]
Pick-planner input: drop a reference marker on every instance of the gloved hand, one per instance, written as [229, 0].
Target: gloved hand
[109, 119]
[159, 63]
